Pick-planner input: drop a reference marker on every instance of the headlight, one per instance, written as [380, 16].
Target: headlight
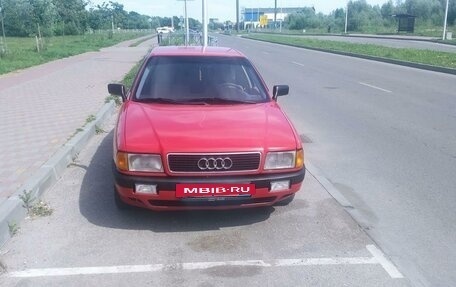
[279, 160]
[139, 162]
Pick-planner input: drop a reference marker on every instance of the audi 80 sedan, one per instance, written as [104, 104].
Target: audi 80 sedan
[199, 129]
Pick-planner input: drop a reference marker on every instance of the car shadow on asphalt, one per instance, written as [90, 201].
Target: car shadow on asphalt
[96, 204]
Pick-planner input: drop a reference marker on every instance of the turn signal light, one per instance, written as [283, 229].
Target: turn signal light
[299, 158]
[122, 161]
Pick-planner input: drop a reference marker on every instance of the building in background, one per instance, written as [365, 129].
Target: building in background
[254, 17]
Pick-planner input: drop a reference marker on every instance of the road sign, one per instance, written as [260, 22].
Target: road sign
[263, 20]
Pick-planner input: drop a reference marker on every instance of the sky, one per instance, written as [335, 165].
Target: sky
[222, 9]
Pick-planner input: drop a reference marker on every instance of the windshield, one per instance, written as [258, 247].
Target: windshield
[215, 80]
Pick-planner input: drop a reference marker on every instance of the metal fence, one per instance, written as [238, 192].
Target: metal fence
[178, 39]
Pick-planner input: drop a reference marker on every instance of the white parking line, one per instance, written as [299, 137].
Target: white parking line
[386, 264]
[378, 258]
[374, 87]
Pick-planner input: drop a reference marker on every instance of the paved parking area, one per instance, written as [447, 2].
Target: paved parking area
[86, 241]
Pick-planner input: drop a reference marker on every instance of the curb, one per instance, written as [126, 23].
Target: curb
[328, 186]
[340, 198]
[378, 59]
[12, 211]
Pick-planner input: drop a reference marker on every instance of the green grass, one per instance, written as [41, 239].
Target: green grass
[130, 76]
[435, 58]
[22, 51]
[127, 81]
[137, 43]
[421, 29]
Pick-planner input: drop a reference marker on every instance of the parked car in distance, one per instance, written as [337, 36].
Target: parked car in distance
[200, 130]
[164, 30]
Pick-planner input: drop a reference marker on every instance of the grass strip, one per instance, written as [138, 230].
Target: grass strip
[130, 76]
[127, 81]
[428, 57]
[137, 43]
[22, 52]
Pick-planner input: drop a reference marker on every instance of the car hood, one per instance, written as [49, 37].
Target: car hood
[163, 128]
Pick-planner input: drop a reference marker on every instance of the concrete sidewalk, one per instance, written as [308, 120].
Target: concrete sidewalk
[42, 107]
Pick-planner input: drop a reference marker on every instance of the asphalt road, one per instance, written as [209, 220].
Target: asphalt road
[412, 44]
[385, 136]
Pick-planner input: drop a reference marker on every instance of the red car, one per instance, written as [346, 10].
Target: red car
[200, 130]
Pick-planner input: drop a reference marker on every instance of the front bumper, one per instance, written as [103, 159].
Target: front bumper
[166, 186]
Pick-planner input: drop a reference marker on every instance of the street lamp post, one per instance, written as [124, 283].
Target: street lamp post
[204, 20]
[445, 21]
[346, 18]
[112, 24]
[3, 38]
[275, 15]
[187, 31]
[237, 16]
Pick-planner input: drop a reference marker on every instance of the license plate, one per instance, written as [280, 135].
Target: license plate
[210, 189]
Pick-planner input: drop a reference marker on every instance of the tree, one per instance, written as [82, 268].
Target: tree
[305, 19]
[120, 16]
[17, 17]
[72, 17]
[387, 9]
[451, 11]
[43, 15]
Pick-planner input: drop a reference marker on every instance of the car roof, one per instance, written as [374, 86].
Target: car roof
[209, 51]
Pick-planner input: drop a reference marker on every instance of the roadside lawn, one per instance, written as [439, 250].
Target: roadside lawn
[23, 53]
[428, 57]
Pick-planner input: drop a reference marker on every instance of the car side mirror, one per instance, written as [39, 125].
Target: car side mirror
[279, 90]
[118, 90]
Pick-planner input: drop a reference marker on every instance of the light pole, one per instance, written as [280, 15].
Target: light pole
[186, 25]
[3, 39]
[445, 21]
[112, 24]
[204, 20]
[187, 32]
[237, 16]
[346, 18]
[275, 15]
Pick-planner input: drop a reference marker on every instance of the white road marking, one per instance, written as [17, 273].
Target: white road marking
[378, 258]
[386, 264]
[374, 87]
[264, 52]
[361, 83]
[299, 64]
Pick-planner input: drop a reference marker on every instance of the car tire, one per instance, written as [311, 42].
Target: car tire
[120, 204]
[286, 201]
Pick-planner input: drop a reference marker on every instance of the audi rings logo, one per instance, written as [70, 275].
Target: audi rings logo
[213, 163]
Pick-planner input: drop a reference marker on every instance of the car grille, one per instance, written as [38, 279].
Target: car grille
[189, 162]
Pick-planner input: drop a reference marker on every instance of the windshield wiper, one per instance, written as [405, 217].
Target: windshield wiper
[165, 101]
[221, 100]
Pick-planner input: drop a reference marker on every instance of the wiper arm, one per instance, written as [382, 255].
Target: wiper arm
[222, 100]
[164, 100]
